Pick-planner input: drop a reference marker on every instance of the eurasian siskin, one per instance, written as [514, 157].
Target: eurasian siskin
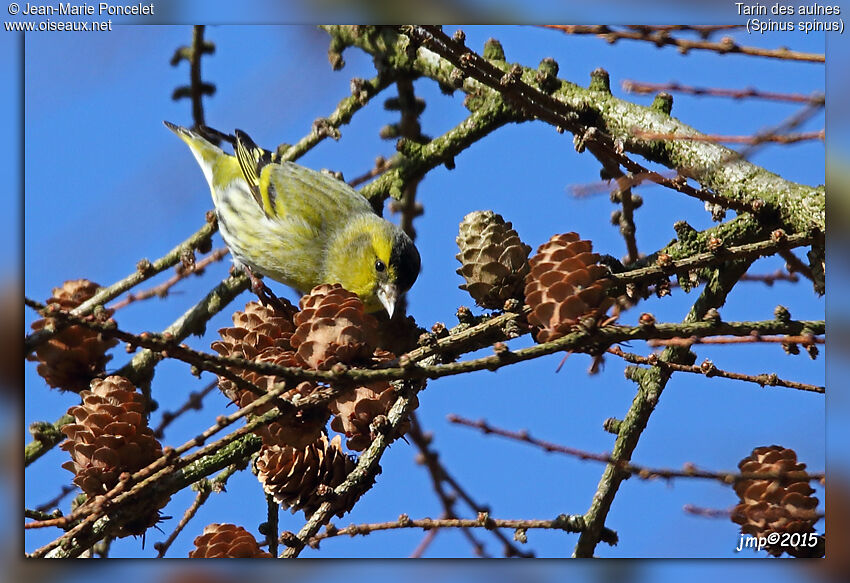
[301, 227]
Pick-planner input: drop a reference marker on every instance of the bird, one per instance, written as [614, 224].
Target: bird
[301, 227]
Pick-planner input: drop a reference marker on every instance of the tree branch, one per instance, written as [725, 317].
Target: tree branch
[651, 383]
[800, 208]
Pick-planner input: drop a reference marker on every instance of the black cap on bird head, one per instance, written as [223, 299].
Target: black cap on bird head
[405, 259]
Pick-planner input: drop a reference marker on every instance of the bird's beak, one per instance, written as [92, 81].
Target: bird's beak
[388, 295]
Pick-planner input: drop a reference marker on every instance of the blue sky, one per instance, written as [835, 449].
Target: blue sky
[107, 184]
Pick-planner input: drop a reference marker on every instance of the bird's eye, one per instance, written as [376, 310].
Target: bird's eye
[379, 266]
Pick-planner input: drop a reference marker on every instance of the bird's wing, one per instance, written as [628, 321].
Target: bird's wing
[252, 159]
[286, 189]
[322, 200]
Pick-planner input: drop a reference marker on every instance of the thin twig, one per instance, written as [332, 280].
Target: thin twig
[704, 30]
[196, 88]
[437, 474]
[181, 273]
[795, 265]
[199, 88]
[689, 470]
[665, 266]
[708, 369]
[707, 512]
[572, 523]
[194, 402]
[477, 547]
[623, 193]
[770, 278]
[639, 174]
[764, 136]
[204, 491]
[409, 128]
[440, 475]
[661, 38]
[54, 502]
[362, 92]
[164, 345]
[766, 278]
[272, 523]
[381, 166]
[641, 87]
[40, 515]
[144, 270]
[204, 487]
[426, 541]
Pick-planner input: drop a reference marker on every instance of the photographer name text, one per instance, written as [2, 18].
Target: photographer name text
[101, 9]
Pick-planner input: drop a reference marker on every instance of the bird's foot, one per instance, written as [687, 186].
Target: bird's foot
[267, 298]
[264, 293]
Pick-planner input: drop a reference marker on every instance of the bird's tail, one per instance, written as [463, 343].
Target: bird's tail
[206, 153]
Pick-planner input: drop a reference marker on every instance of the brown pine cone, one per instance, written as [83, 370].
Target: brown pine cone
[333, 327]
[259, 327]
[75, 355]
[565, 285]
[300, 478]
[780, 506]
[256, 329]
[356, 410]
[259, 330]
[262, 334]
[227, 541]
[110, 436]
[494, 261]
